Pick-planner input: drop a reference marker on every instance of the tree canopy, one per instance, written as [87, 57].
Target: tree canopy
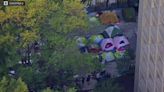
[12, 85]
[49, 22]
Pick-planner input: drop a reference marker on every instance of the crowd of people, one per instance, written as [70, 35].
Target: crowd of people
[80, 81]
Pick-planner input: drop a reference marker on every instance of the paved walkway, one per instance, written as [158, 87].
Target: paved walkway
[90, 85]
[126, 82]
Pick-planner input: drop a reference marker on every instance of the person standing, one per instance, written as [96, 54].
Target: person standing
[88, 79]
[107, 4]
[83, 80]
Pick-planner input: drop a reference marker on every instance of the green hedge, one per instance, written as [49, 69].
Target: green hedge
[129, 14]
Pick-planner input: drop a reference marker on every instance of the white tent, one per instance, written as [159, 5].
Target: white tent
[120, 41]
[113, 31]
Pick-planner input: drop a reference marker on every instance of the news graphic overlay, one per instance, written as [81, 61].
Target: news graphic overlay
[13, 3]
[5, 3]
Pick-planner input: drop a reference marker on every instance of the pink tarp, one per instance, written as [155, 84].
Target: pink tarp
[120, 41]
[107, 44]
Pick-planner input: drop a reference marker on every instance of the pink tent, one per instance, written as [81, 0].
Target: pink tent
[107, 44]
[120, 41]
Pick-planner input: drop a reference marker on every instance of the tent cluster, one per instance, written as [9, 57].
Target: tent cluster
[111, 44]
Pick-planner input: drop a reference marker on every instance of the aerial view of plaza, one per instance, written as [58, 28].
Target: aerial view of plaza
[81, 45]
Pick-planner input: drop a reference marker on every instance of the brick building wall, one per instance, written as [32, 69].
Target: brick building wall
[149, 74]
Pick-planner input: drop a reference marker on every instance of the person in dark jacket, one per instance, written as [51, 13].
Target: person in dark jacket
[107, 4]
[83, 80]
[88, 79]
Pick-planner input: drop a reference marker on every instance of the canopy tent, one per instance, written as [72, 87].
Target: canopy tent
[112, 31]
[107, 44]
[120, 41]
[109, 18]
[107, 56]
[95, 39]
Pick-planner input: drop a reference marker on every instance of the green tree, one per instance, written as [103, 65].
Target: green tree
[21, 86]
[47, 90]
[61, 56]
[60, 51]
[19, 26]
[33, 77]
[3, 85]
[12, 85]
[50, 21]
[72, 90]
